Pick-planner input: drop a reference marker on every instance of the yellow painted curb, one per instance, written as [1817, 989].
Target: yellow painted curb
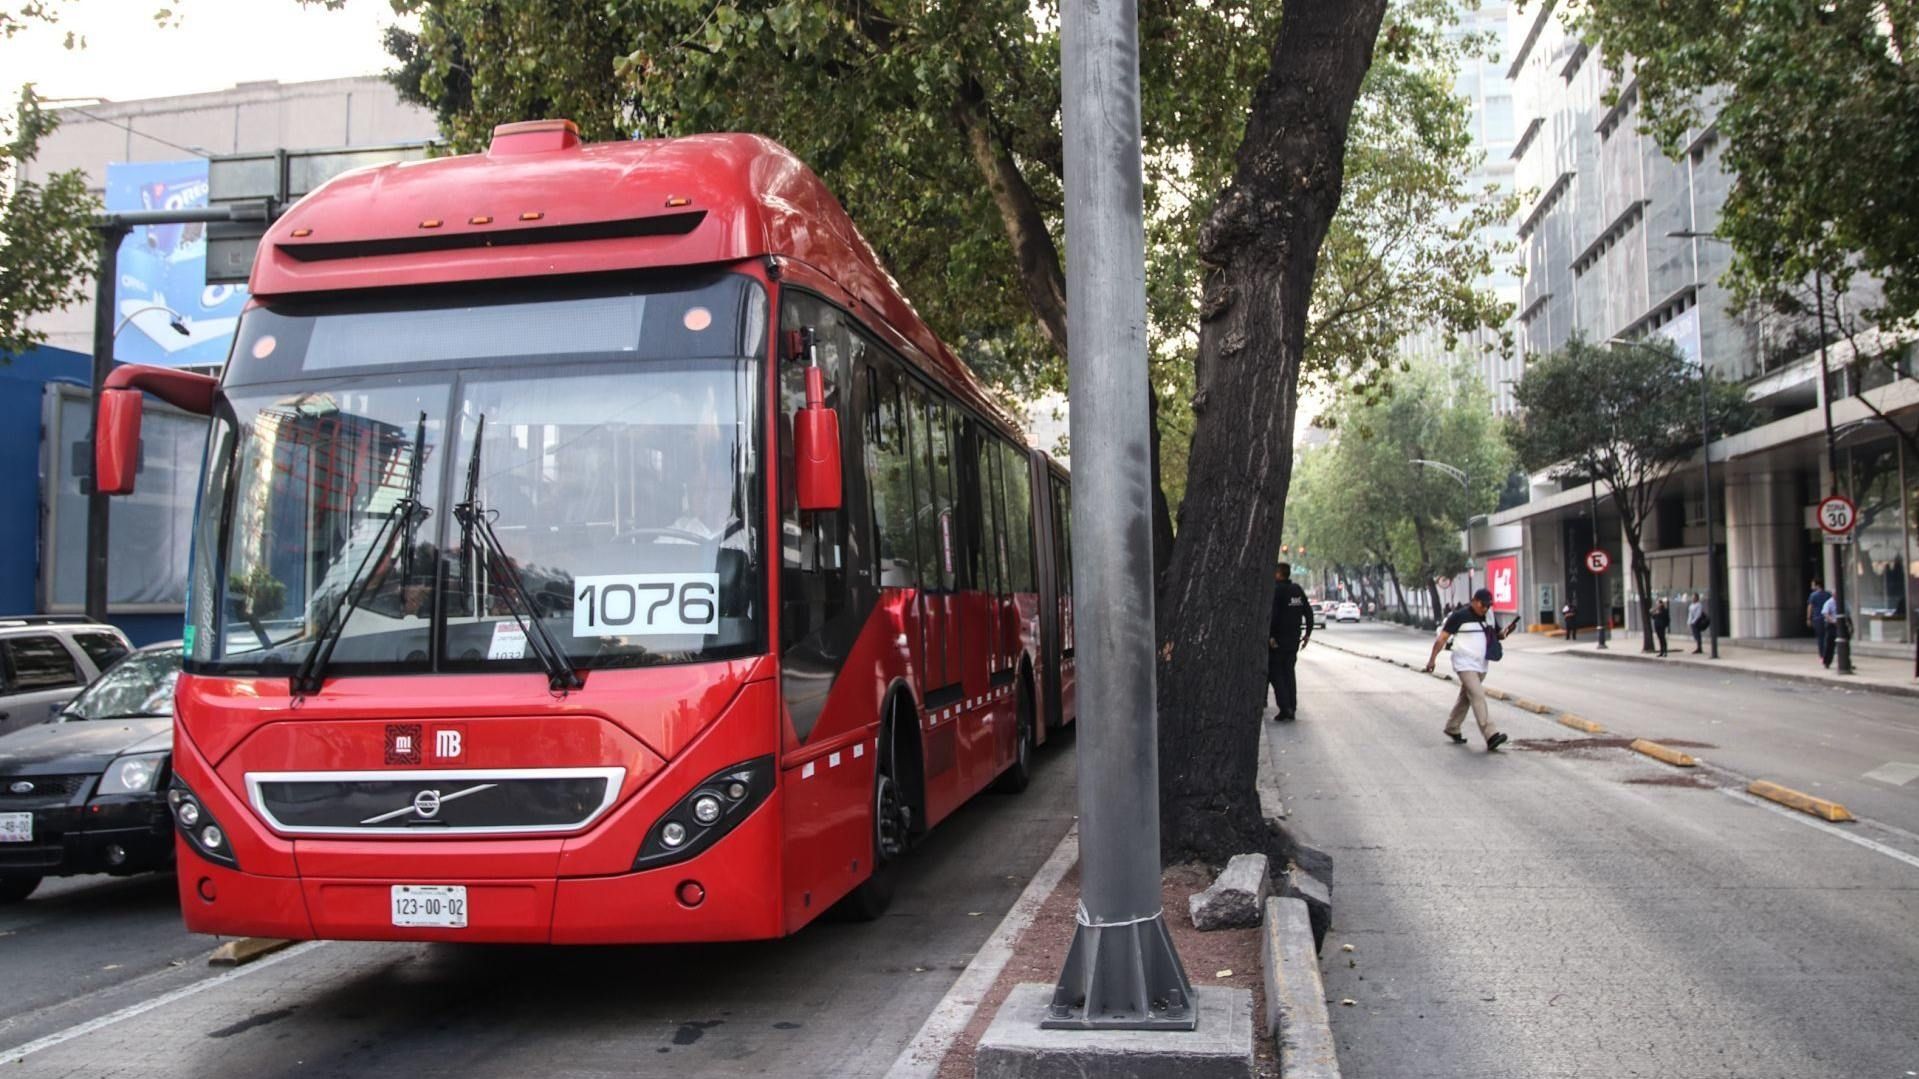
[245, 950]
[1531, 706]
[1580, 724]
[1805, 803]
[1663, 753]
[1497, 694]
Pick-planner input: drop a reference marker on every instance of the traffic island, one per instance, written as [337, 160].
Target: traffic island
[1015, 1046]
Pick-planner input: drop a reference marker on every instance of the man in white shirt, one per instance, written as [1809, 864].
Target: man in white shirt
[1696, 621]
[1466, 630]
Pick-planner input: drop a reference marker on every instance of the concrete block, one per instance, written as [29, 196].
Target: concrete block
[1015, 1047]
[1295, 996]
[1318, 897]
[1314, 861]
[1236, 898]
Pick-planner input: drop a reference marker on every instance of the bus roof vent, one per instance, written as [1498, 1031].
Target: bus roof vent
[534, 137]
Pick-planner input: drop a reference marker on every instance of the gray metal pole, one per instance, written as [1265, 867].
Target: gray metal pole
[97, 504]
[1122, 971]
[1842, 647]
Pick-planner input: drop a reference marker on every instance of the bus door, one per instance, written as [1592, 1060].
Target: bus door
[1048, 586]
[936, 527]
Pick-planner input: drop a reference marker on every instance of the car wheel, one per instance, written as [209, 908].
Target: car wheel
[14, 889]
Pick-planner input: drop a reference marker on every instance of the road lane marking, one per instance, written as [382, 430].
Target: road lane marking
[1850, 837]
[81, 1030]
[1897, 773]
[922, 1056]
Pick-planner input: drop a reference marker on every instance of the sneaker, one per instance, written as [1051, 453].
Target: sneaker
[1458, 739]
[1498, 739]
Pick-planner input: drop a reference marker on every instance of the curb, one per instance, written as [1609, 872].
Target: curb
[1664, 753]
[1803, 802]
[1295, 995]
[1783, 676]
[245, 950]
[1580, 723]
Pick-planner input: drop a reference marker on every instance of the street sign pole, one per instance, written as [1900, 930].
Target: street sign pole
[1122, 971]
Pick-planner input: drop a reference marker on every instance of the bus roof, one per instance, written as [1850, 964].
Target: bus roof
[539, 202]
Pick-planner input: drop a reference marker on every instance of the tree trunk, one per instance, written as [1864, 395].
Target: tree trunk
[1399, 592]
[1041, 278]
[1162, 513]
[1642, 584]
[1260, 248]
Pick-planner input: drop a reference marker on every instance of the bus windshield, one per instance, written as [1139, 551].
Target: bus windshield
[418, 491]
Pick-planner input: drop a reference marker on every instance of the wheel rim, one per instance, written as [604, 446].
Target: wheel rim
[890, 835]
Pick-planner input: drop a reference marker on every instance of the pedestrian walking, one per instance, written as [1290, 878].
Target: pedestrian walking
[1661, 622]
[1698, 620]
[1473, 644]
[1569, 618]
[1290, 627]
[1822, 631]
[1832, 616]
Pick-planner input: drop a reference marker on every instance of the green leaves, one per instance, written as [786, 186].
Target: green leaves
[47, 243]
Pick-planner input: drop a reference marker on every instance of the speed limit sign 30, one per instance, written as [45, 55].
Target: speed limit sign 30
[1837, 515]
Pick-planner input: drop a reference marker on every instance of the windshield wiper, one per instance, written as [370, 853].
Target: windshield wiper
[473, 523]
[313, 668]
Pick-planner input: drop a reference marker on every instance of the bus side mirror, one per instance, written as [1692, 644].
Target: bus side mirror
[116, 447]
[816, 448]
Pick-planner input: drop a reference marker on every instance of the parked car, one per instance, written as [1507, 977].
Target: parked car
[86, 792]
[46, 660]
[1319, 614]
[1346, 612]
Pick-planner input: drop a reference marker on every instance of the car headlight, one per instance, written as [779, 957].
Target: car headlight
[133, 775]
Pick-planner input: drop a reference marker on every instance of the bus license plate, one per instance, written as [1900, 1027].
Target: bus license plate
[441, 906]
[16, 827]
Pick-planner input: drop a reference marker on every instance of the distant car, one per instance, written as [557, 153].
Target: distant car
[1346, 612]
[46, 660]
[1319, 615]
[86, 792]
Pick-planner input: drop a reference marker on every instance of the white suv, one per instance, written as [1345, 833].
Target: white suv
[46, 660]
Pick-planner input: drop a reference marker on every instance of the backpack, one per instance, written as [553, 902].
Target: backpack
[1495, 651]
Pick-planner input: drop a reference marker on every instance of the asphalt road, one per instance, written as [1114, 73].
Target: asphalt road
[835, 1000]
[1845, 745]
[1555, 910]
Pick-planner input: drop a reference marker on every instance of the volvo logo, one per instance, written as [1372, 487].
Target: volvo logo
[21, 787]
[426, 804]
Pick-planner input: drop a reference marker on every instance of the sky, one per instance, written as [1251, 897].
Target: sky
[215, 44]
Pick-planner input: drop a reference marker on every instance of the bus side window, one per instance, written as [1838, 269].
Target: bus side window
[1019, 519]
[889, 475]
[940, 464]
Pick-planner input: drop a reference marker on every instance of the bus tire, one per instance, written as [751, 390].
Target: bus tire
[892, 821]
[1019, 774]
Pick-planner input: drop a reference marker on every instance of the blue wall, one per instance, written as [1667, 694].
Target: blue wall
[21, 382]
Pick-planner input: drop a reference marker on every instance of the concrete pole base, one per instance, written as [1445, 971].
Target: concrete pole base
[1017, 1046]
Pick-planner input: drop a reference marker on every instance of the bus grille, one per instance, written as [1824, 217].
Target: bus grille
[426, 803]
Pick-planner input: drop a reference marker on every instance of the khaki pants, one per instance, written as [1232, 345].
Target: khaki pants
[1472, 694]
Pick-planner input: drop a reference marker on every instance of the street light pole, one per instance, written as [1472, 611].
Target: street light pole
[1122, 971]
[1842, 648]
[111, 229]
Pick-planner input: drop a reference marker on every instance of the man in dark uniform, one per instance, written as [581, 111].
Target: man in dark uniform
[1288, 631]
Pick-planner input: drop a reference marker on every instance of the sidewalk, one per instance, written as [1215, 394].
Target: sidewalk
[1873, 673]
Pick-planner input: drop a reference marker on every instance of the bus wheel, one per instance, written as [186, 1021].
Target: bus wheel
[13, 889]
[1020, 772]
[873, 895]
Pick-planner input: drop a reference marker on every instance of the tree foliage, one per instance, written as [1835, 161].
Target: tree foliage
[1360, 501]
[1626, 417]
[1818, 107]
[48, 249]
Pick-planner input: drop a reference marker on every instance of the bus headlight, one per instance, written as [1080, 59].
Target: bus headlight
[197, 826]
[713, 808]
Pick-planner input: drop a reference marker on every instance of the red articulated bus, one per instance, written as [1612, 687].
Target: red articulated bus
[594, 546]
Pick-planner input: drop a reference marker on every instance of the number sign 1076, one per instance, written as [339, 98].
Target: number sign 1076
[617, 604]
